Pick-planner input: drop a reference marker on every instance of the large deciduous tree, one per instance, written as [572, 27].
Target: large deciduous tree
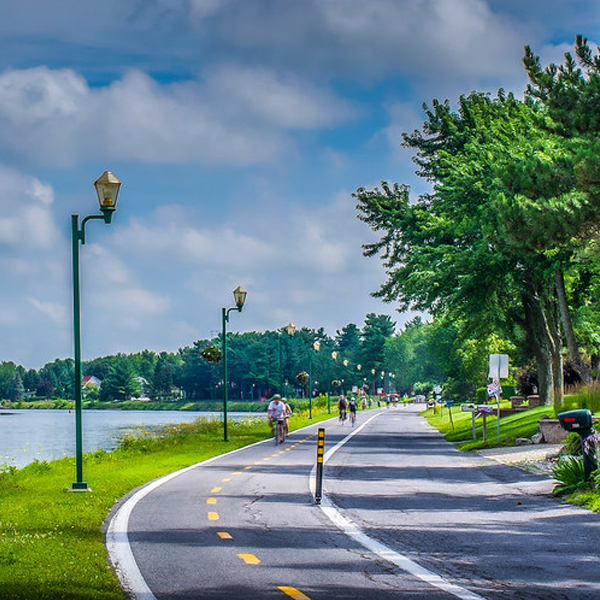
[491, 243]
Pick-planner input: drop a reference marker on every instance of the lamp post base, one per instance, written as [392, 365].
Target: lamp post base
[79, 486]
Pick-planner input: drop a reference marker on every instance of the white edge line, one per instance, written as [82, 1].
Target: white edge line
[117, 539]
[400, 560]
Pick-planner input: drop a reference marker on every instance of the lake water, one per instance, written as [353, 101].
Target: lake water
[27, 435]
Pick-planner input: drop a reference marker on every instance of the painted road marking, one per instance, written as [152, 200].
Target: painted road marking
[249, 559]
[248, 468]
[258, 462]
[226, 479]
[293, 593]
[215, 490]
[237, 473]
[400, 560]
[224, 535]
[211, 501]
[213, 516]
[117, 540]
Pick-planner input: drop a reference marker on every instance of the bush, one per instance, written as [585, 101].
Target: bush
[458, 391]
[573, 445]
[569, 471]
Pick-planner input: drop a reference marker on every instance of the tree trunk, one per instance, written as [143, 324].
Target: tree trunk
[541, 321]
[580, 367]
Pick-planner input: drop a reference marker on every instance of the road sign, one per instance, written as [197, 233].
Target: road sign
[468, 408]
[498, 366]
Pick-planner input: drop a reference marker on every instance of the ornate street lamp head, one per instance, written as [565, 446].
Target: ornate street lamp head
[107, 188]
[290, 328]
[239, 295]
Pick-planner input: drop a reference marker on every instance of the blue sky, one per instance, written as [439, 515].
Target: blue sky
[240, 129]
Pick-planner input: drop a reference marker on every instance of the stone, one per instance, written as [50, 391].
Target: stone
[523, 442]
[537, 438]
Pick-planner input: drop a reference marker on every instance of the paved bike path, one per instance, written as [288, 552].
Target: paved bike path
[245, 524]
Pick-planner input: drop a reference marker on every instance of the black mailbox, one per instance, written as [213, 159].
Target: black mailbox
[576, 420]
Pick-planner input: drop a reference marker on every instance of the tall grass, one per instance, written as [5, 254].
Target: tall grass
[583, 396]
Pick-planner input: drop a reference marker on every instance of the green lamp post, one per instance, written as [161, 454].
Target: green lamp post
[290, 329]
[334, 355]
[239, 296]
[107, 188]
[316, 346]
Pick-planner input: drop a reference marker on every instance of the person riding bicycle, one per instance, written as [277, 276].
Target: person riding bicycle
[276, 410]
[342, 407]
[352, 406]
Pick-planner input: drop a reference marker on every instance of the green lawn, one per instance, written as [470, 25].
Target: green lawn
[51, 540]
[522, 424]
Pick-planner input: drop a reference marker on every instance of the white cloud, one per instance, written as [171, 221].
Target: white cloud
[53, 310]
[233, 116]
[26, 220]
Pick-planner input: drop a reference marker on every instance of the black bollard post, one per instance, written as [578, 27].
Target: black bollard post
[319, 472]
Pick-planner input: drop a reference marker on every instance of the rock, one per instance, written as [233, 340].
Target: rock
[544, 416]
[553, 455]
[537, 438]
[523, 442]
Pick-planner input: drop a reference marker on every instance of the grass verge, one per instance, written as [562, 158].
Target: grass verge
[522, 424]
[51, 540]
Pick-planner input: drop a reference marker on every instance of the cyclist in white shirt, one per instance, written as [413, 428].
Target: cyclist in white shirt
[276, 410]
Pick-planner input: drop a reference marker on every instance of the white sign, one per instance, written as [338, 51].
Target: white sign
[485, 409]
[468, 408]
[498, 366]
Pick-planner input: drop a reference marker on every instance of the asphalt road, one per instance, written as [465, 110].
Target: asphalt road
[404, 515]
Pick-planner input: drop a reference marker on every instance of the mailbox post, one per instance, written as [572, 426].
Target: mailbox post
[580, 421]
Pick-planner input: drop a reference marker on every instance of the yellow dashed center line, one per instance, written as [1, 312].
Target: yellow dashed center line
[211, 501]
[224, 535]
[215, 490]
[248, 468]
[213, 516]
[249, 559]
[226, 479]
[237, 473]
[293, 593]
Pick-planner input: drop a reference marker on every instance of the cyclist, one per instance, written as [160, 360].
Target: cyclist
[352, 406]
[276, 411]
[342, 407]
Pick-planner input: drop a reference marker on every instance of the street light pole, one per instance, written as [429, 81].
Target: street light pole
[239, 296]
[291, 330]
[107, 188]
[316, 346]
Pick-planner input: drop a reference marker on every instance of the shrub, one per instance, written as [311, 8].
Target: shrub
[569, 471]
[572, 445]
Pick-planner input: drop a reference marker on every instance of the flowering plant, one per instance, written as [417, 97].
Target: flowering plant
[302, 377]
[211, 354]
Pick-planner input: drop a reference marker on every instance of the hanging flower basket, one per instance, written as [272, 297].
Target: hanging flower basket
[302, 377]
[211, 354]
[336, 383]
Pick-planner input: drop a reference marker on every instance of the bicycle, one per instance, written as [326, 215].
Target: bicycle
[352, 417]
[343, 415]
[279, 431]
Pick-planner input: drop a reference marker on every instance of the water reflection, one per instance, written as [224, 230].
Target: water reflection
[27, 435]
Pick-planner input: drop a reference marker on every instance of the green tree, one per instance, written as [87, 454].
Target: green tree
[376, 330]
[119, 383]
[488, 245]
[16, 390]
